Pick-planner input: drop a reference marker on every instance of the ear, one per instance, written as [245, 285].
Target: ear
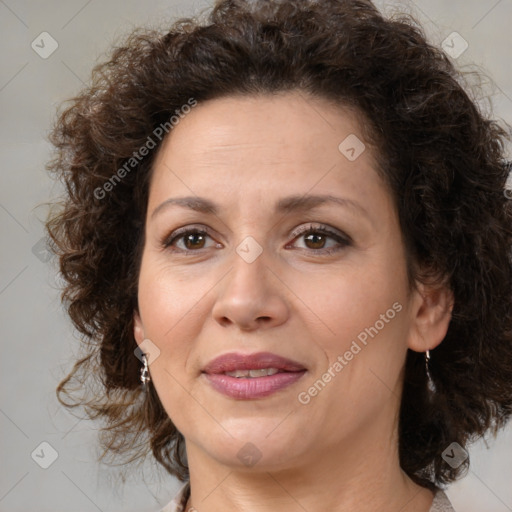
[138, 328]
[432, 307]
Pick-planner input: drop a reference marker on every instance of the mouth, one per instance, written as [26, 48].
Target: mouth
[241, 365]
[253, 376]
[253, 373]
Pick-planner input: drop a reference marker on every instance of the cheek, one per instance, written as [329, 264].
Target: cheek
[362, 329]
[167, 309]
[351, 301]
[168, 299]
[365, 344]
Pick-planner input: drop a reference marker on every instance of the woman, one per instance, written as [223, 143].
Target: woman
[290, 223]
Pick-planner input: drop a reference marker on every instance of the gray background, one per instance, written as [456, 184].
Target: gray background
[38, 343]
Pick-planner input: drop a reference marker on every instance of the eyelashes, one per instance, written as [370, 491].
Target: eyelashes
[313, 233]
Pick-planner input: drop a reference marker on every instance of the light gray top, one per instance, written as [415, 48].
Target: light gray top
[441, 502]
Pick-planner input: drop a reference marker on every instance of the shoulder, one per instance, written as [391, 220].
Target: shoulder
[177, 504]
[441, 503]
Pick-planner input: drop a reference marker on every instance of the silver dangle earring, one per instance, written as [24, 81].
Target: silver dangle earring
[144, 372]
[430, 383]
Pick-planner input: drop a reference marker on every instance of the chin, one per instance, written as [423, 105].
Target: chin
[258, 448]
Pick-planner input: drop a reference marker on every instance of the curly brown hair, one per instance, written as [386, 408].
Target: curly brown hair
[441, 156]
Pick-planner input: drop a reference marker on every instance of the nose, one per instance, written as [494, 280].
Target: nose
[251, 296]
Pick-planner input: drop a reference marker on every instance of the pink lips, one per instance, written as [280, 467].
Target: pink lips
[247, 388]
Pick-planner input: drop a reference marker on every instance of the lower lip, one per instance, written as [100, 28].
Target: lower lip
[250, 388]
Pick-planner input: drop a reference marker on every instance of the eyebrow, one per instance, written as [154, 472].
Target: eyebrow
[287, 204]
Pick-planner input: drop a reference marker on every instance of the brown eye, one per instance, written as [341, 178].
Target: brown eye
[315, 240]
[187, 240]
[194, 240]
[316, 237]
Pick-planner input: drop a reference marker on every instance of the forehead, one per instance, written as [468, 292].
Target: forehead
[282, 121]
[289, 143]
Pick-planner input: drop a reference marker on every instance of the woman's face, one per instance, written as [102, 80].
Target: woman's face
[336, 303]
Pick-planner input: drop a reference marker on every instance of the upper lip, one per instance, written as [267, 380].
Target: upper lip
[234, 361]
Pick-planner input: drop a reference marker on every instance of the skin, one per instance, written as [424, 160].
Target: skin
[339, 451]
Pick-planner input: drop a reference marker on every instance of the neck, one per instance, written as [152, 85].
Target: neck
[356, 475]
